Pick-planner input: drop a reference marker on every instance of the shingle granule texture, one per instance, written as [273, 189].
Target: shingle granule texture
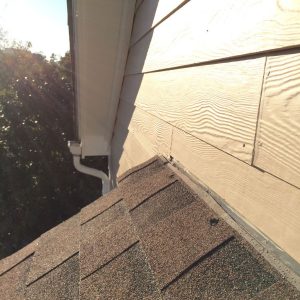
[98, 224]
[13, 283]
[152, 238]
[161, 205]
[126, 277]
[99, 206]
[150, 166]
[55, 246]
[60, 283]
[102, 248]
[281, 290]
[231, 272]
[144, 183]
[10, 261]
[180, 239]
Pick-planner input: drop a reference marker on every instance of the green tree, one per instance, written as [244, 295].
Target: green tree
[39, 186]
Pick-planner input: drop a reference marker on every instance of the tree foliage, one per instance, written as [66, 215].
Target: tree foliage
[39, 186]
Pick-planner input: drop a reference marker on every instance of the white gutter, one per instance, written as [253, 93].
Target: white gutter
[102, 30]
[75, 149]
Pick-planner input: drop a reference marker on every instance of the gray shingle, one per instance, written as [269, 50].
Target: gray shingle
[281, 290]
[179, 240]
[100, 205]
[161, 205]
[10, 261]
[55, 246]
[13, 282]
[61, 283]
[126, 277]
[97, 250]
[98, 224]
[148, 165]
[151, 233]
[145, 182]
[230, 272]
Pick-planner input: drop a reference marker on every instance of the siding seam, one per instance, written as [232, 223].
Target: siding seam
[259, 112]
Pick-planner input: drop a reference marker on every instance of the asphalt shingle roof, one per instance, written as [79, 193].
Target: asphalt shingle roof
[152, 237]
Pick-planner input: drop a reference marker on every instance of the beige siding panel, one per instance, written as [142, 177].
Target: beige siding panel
[216, 103]
[137, 152]
[124, 164]
[153, 133]
[278, 139]
[268, 203]
[127, 151]
[150, 13]
[119, 160]
[138, 137]
[205, 31]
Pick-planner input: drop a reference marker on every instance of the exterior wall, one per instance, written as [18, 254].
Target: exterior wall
[216, 86]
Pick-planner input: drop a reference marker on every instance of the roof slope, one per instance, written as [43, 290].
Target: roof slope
[151, 238]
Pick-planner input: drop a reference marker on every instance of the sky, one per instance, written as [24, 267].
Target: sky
[42, 22]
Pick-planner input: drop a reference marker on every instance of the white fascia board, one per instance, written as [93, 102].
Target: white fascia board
[102, 30]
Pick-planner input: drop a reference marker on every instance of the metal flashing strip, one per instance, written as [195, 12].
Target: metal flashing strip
[276, 256]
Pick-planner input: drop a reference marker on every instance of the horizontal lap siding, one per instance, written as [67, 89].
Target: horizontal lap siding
[205, 31]
[142, 136]
[271, 205]
[216, 103]
[213, 116]
[278, 138]
[152, 132]
[127, 151]
[150, 13]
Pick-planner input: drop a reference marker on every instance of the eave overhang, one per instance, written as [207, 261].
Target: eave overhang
[99, 44]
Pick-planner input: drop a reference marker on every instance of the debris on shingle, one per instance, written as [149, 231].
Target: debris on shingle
[55, 246]
[60, 283]
[126, 277]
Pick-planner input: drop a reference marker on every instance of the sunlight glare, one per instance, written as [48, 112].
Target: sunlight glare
[43, 23]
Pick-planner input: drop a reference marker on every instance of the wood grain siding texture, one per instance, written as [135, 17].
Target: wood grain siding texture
[153, 133]
[202, 32]
[127, 151]
[270, 204]
[216, 103]
[277, 147]
[135, 153]
[150, 13]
